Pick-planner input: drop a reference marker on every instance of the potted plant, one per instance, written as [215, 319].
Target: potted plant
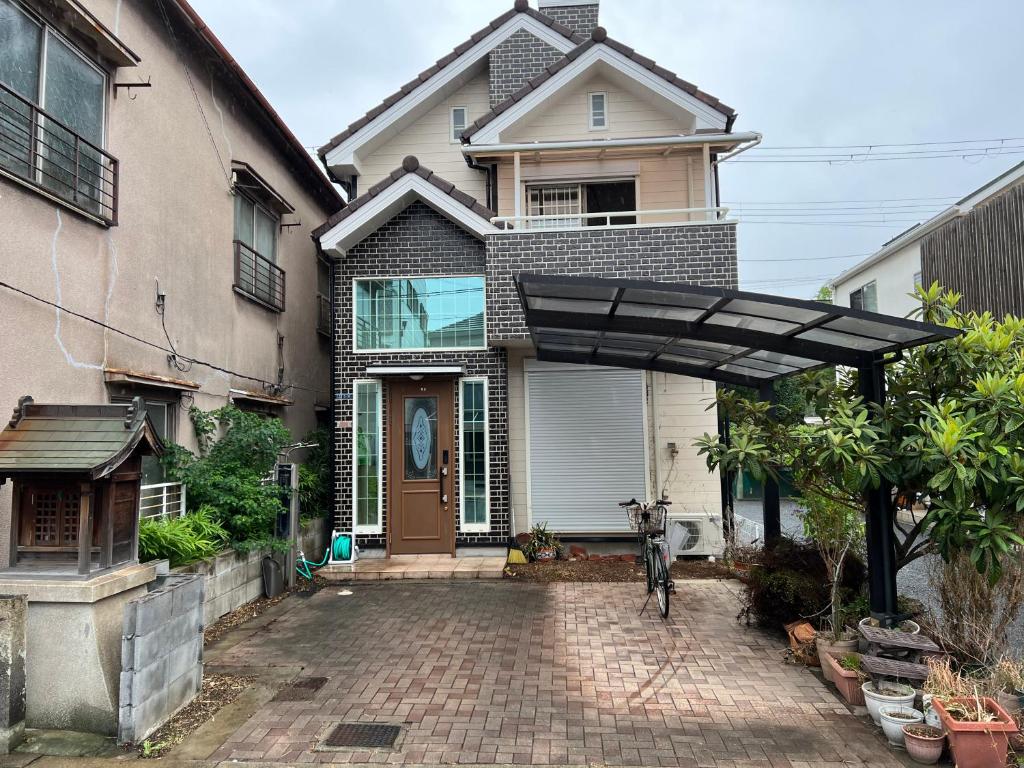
[883, 692]
[979, 730]
[543, 545]
[894, 717]
[835, 528]
[924, 743]
[847, 676]
[1007, 680]
[908, 626]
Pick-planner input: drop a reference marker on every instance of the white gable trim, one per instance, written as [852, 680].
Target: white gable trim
[344, 153]
[383, 207]
[707, 116]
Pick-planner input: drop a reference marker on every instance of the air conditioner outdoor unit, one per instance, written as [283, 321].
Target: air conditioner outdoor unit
[695, 535]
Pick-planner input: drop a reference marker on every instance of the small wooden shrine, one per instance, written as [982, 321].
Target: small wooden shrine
[77, 470]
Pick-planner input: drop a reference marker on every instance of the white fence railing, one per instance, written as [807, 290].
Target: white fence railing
[748, 532]
[665, 217]
[162, 500]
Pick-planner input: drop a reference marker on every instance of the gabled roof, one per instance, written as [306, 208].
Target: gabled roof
[388, 197]
[521, 7]
[81, 439]
[600, 37]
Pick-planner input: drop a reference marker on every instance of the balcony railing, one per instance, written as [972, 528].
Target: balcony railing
[41, 152]
[323, 315]
[162, 500]
[258, 278]
[666, 217]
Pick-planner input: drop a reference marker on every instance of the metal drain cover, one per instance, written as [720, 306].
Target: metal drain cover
[302, 689]
[372, 735]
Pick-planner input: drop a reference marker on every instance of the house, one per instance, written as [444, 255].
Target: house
[540, 144]
[973, 247]
[155, 213]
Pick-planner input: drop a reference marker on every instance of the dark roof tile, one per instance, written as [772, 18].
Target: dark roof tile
[409, 165]
[445, 61]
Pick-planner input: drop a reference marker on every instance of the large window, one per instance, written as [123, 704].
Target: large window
[367, 467]
[61, 150]
[419, 313]
[865, 297]
[256, 270]
[473, 464]
[569, 201]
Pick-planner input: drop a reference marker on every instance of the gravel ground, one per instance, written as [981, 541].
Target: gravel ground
[609, 571]
[911, 581]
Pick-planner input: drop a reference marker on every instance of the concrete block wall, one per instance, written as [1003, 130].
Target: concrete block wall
[161, 655]
[231, 579]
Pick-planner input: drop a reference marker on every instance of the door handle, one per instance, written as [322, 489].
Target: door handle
[442, 475]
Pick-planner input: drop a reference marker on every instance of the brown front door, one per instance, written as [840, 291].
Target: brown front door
[421, 461]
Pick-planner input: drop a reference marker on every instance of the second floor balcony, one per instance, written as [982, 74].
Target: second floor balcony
[48, 156]
[665, 217]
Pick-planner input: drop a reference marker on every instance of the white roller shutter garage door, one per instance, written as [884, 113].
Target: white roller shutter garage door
[587, 445]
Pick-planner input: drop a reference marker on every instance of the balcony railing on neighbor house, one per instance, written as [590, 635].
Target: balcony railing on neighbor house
[323, 314]
[665, 217]
[41, 152]
[162, 500]
[258, 278]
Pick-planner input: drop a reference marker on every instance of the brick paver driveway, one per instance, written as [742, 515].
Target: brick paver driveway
[543, 674]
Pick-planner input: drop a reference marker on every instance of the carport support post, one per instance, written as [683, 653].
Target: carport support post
[881, 543]
[770, 491]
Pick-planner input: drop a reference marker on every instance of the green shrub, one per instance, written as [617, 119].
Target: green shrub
[182, 540]
[238, 451]
[315, 476]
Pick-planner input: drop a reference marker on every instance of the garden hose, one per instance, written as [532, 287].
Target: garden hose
[340, 549]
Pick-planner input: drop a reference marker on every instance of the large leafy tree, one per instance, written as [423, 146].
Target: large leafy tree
[949, 433]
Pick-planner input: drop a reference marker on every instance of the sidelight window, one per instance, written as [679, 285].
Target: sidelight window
[367, 434]
[473, 464]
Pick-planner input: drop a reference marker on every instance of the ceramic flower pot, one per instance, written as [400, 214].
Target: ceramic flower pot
[894, 717]
[977, 744]
[888, 693]
[847, 681]
[924, 743]
[908, 626]
[825, 646]
[931, 717]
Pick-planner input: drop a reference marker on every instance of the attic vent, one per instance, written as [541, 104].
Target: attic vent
[372, 735]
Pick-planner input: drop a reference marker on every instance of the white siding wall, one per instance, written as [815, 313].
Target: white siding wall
[677, 412]
[567, 116]
[428, 139]
[894, 279]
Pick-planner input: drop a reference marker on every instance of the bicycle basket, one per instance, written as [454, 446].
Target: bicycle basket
[649, 521]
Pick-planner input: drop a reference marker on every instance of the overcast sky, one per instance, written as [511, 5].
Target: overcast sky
[808, 72]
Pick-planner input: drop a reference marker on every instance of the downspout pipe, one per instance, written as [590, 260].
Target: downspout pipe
[738, 151]
[491, 169]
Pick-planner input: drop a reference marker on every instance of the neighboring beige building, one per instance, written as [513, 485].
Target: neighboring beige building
[540, 144]
[174, 207]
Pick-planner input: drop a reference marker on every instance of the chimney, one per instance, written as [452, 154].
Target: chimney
[578, 15]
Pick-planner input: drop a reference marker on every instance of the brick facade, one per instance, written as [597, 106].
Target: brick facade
[417, 242]
[703, 254]
[515, 61]
[579, 18]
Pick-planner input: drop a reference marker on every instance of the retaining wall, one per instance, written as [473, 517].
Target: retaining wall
[233, 579]
[161, 654]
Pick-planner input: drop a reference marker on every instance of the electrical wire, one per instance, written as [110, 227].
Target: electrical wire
[805, 258]
[133, 337]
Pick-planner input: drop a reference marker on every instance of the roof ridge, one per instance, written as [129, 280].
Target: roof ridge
[521, 6]
[598, 37]
[410, 166]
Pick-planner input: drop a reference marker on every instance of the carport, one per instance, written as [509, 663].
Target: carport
[730, 337]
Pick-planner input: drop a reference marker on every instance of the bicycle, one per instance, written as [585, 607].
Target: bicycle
[648, 519]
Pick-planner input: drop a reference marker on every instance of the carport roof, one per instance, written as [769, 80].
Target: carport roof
[735, 337]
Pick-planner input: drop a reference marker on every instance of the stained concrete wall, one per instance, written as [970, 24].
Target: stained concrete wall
[174, 143]
[161, 655]
[13, 639]
[231, 579]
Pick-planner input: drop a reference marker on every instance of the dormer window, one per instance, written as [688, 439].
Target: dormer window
[598, 111]
[458, 124]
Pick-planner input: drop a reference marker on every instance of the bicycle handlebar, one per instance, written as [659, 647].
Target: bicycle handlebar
[630, 503]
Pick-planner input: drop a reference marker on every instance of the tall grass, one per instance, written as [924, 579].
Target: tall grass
[182, 540]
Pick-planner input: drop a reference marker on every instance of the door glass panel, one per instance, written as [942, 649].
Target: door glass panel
[420, 438]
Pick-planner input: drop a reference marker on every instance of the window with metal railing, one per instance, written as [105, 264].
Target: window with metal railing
[52, 107]
[257, 276]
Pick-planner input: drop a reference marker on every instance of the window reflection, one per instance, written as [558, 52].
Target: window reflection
[420, 313]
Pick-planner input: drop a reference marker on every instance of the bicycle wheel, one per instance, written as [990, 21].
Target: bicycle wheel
[661, 579]
[649, 565]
